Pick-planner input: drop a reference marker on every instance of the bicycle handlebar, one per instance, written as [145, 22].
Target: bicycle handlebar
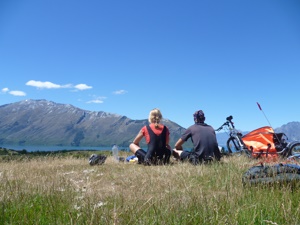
[221, 127]
[229, 118]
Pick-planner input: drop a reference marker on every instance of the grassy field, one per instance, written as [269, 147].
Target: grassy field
[65, 189]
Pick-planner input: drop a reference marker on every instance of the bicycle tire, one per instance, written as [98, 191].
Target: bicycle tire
[233, 145]
[294, 149]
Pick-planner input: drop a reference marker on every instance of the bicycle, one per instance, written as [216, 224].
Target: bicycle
[235, 143]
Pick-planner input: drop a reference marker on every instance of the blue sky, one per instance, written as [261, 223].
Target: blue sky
[128, 57]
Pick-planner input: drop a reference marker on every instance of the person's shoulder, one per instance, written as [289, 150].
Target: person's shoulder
[164, 126]
[210, 127]
[191, 127]
[207, 125]
[144, 127]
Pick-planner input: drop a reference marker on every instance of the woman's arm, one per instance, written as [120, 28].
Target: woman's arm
[138, 138]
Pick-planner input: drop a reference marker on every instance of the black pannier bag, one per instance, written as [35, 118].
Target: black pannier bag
[272, 174]
[97, 159]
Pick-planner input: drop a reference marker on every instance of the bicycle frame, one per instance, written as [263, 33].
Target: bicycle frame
[235, 138]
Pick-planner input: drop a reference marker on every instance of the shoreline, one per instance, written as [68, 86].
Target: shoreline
[34, 148]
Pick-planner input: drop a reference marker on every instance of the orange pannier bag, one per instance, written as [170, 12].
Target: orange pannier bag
[261, 143]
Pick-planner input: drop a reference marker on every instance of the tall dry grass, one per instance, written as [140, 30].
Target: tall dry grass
[53, 190]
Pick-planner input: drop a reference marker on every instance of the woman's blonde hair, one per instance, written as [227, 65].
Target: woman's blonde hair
[155, 116]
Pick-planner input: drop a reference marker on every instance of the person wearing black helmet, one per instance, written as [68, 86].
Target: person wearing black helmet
[204, 140]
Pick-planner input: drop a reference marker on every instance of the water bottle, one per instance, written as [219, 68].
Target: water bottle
[115, 152]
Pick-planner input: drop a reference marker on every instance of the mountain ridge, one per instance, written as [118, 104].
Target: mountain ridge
[36, 122]
[43, 122]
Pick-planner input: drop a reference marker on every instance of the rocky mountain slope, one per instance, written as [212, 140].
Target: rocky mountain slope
[42, 122]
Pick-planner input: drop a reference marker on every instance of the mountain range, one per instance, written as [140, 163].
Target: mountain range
[42, 122]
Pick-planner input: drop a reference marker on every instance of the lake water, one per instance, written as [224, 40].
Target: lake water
[58, 148]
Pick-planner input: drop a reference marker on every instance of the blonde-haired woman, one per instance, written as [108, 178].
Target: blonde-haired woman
[157, 138]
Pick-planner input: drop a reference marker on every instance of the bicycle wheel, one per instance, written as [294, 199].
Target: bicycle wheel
[233, 145]
[294, 149]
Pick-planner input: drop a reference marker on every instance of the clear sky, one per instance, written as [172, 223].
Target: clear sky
[130, 56]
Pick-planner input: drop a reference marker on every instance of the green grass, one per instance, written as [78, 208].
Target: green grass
[64, 189]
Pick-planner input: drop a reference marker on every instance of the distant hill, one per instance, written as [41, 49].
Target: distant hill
[42, 122]
[291, 129]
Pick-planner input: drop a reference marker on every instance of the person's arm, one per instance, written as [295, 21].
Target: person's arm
[168, 147]
[217, 153]
[179, 143]
[168, 139]
[138, 138]
[178, 148]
